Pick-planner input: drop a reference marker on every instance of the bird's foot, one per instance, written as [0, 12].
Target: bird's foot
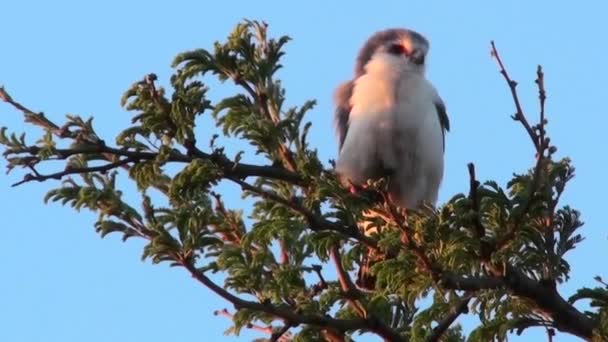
[365, 191]
[357, 189]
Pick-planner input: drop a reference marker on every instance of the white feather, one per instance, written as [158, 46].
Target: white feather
[394, 119]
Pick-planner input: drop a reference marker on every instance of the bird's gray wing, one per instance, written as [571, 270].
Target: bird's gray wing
[443, 118]
[343, 107]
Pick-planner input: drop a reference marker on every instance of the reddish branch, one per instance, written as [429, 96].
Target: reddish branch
[234, 233]
[348, 287]
[276, 335]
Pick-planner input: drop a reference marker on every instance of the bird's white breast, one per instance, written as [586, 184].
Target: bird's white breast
[394, 116]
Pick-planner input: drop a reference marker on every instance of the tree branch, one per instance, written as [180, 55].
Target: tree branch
[479, 229]
[316, 223]
[444, 324]
[350, 290]
[519, 114]
[72, 170]
[293, 317]
[524, 323]
[229, 167]
[281, 335]
[541, 143]
[455, 282]
[565, 316]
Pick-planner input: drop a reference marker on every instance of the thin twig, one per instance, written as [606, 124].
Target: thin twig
[473, 185]
[524, 323]
[542, 96]
[73, 170]
[548, 221]
[479, 229]
[550, 334]
[519, 115]
[460, 308]
[321, 285]
[282, 334]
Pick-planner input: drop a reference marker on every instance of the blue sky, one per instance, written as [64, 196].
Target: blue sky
[62, 283]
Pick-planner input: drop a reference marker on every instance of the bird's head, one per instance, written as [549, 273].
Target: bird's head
[405, 48]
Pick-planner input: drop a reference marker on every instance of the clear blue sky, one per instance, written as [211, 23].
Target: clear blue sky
[62, 283]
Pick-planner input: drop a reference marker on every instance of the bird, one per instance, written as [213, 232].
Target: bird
[391, 123]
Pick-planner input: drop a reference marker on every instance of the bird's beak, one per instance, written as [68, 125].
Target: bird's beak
[417, 57]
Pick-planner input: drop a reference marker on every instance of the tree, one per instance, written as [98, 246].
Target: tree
[498, 252]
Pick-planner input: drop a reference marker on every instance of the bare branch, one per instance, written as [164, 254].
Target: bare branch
[542, 96]
[519, 114]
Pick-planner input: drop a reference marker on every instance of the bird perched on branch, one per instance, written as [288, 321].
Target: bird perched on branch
[391, 122]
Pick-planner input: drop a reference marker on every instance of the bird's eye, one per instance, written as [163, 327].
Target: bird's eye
[396, 49]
